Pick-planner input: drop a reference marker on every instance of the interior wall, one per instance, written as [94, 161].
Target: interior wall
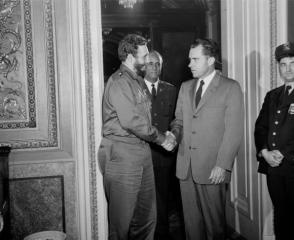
[290, 24]
[49, 118]
[43, 160]
[251, 30]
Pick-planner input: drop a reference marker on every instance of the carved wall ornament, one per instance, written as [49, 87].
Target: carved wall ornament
[18, 98]
[13, 91]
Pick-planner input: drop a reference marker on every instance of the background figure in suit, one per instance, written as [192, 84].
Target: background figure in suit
[163, 97]
[274, 140]
[208, 127]
[124, 153]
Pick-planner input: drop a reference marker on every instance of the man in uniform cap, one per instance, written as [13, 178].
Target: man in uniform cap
[124, 154]
[274, 140]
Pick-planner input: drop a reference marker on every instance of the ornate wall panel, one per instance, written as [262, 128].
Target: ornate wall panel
[37, 204]
[40, 125]
[28, 96]
[37, 188]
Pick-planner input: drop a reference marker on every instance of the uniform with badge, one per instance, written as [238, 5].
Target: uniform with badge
[125, 156]
[274, 130]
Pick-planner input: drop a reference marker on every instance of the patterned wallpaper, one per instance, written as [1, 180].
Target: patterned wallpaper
[18, 97]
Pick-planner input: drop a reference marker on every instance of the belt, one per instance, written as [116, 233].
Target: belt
[131, 140]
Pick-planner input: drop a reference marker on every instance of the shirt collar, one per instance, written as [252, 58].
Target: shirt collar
[149, 84]
[208, 78]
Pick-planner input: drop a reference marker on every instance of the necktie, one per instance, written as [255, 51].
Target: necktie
[199, 93]
[153, 91]
[288, 90]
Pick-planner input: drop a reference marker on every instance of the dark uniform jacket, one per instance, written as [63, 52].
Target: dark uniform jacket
[162, 113]
[274, 129]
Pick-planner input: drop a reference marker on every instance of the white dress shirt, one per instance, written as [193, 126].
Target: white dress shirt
[207, 81]
[149, 85]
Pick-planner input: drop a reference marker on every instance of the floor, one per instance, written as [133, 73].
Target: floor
[177, 230]
[176, 223]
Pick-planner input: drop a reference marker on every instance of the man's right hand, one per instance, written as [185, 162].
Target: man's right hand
[271, 157]
[169, 142]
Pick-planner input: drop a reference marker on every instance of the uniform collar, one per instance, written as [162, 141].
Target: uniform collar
[291, 84]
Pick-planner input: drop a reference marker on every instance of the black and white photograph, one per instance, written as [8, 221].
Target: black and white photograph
[146, 119]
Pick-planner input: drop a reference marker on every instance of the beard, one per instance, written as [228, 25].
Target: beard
[139, 68]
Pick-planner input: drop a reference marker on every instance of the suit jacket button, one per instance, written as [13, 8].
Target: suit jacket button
[193, 132]
[274, 133]
[273, 144]
[279, 111]
[194, 116]
[189, 147]
[276, 122]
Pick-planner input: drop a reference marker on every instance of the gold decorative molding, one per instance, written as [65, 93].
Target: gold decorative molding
[90, 118]
[28, 81]
[273, 31]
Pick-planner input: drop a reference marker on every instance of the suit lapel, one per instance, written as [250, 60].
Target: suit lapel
[160, 88]
[209, 91]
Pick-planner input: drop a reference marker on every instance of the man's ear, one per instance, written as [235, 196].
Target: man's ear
[130, 58]
[211, 60]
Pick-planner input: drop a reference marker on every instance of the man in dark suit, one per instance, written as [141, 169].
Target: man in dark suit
[208, 128]
[163, 99]
[274, 140]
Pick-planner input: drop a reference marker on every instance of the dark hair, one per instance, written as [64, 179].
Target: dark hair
[129, 45]
[210, 47]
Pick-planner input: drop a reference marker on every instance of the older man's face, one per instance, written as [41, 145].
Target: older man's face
[286, 67]
[152, 67]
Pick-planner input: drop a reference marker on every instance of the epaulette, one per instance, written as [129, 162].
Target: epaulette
[167, 84]
[117, 75]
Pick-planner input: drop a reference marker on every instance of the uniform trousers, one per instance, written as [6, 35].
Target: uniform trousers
[204, 209]
[130, 190]
[281, 190]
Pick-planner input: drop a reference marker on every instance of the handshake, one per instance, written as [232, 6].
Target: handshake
[169, 142]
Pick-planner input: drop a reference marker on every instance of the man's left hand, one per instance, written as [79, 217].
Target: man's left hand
[217, 175]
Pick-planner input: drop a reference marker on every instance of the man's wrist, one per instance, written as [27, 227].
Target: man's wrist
[263, 152]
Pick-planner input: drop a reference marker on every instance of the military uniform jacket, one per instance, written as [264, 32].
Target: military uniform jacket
[274, 129]
[162, 113]
[126, 109]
